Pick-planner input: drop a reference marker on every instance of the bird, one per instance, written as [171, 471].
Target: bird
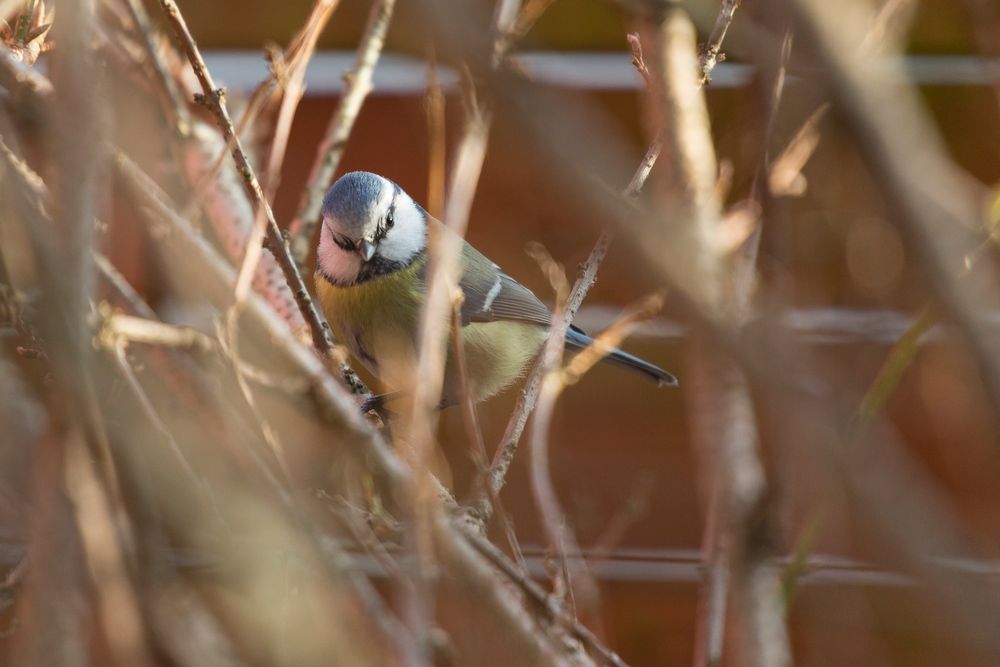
[371, 269]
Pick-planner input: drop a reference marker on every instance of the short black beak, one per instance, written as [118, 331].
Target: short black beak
[366, 249]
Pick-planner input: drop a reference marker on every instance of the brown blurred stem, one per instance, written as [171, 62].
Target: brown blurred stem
[722, 412]
[177, 111]
[357, 85]
[504, 455]
[931, 205]
[296, 61]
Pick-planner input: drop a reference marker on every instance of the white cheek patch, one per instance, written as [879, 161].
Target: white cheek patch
[340, 265]
[409, 235]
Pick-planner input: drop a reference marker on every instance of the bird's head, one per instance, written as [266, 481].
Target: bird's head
[370, 228]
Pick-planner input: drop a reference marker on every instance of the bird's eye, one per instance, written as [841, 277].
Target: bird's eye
[389, 221]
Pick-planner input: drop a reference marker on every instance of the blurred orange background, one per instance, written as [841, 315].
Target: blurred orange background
[621, 450]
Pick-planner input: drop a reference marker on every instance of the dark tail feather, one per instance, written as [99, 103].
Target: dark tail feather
[576, 340]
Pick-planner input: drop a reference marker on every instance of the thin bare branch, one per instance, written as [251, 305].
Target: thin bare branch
[711, 52]
[540, 599]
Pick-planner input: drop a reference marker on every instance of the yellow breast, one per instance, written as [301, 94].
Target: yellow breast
[377, 321]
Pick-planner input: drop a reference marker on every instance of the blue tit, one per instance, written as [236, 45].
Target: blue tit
[370, 280]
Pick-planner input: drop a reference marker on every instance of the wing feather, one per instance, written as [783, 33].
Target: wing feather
[491, 295]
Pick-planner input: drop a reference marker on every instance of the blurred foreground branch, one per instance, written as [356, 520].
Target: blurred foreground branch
[687, 247]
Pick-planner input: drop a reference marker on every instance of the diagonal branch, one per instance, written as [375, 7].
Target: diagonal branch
[214, 99]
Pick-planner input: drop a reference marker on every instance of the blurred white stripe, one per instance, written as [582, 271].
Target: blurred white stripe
[396, 74]
[819, 326]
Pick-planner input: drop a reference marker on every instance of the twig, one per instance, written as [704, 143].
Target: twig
[528, 16]
[126, 293]
[472, 429]
[151, 332]
[226, 333]
[214, 99]
[611, 338]
[444, 249]
[784, 177]
[638, 62]
[357, 85]
[434, 106]
[556, 379]
[505, 16]
[15, 76]
[117, 352]
[507, 447]
[711, 52]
